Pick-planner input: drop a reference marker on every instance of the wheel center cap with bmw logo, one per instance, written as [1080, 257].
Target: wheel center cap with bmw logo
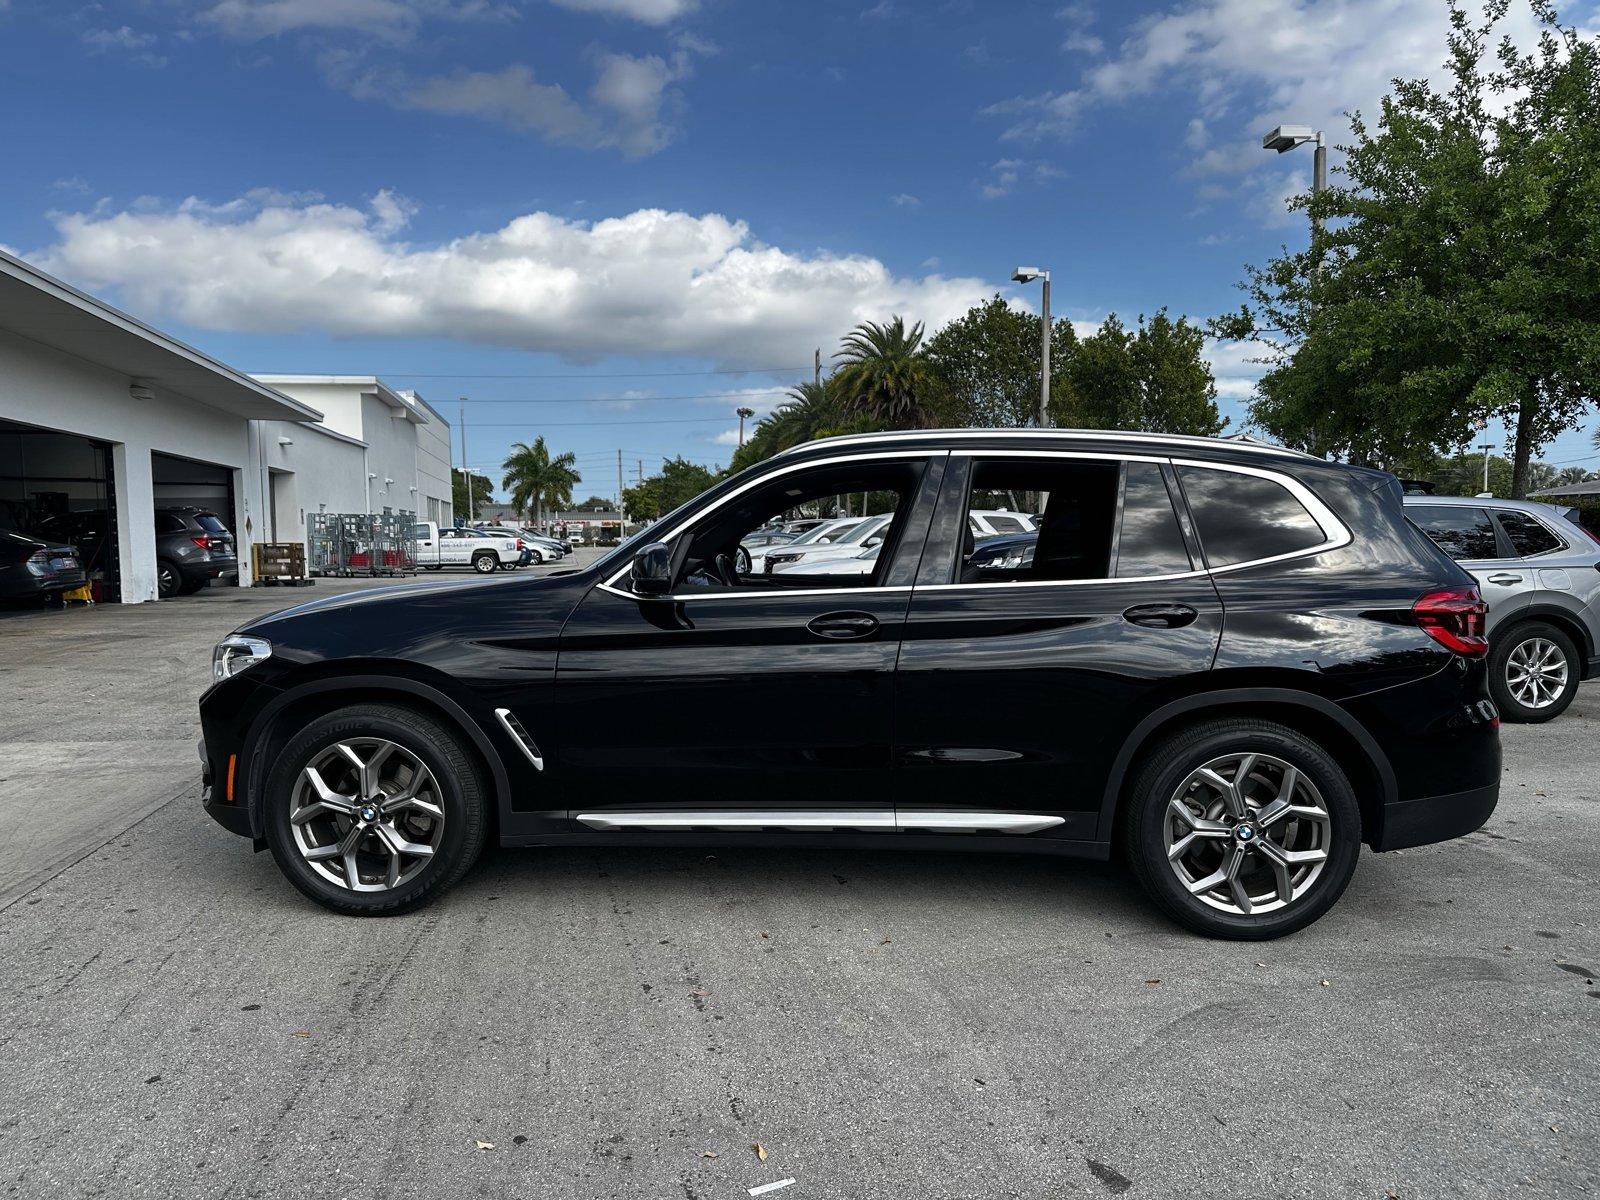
[1245, 832]
[369, 812]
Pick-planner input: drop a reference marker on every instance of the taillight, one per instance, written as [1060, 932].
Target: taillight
[519, 543]
[201, 540]
[1455, 618]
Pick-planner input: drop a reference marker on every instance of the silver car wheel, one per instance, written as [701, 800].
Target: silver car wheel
[1247, 833]
[367, 814]
[1536, 673]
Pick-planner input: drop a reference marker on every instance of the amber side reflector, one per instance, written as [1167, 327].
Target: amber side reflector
[233, 761]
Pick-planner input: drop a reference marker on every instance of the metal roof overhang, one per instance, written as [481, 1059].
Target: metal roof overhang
[43, 309]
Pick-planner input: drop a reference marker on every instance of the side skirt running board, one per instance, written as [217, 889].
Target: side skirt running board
[930, 821]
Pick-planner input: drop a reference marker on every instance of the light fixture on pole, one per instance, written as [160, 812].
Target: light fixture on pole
[1028, 275]
[743, 413]
[1285, 138]
[1485, 447]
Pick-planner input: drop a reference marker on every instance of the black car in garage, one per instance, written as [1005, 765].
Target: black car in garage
[31, 567]
[1232, 664]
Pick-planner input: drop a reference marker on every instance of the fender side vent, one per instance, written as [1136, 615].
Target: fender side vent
[520, 736]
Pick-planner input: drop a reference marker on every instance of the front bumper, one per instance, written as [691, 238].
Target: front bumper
[235, 818]
[1430, 819]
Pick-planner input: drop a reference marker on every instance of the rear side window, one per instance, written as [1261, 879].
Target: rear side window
[1242, 518]
[1149, 541]
[1006, 524]
[1462, 533]
[210, 522]
[1527, 535]
[169, 523]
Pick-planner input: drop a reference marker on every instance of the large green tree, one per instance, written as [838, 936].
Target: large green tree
[987, 361]
[482, 493]
[533, 477]
[680, 481]
[1455, 275]
[1152, 379]
[885, 376]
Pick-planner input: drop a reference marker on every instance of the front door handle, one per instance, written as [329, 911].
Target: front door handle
[1161, 616]
[1505, 580]
[843, 626]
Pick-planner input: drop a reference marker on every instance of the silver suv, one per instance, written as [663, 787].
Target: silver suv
[1540, 572]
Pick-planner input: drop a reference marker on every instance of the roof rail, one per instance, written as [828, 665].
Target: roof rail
[1107, 435]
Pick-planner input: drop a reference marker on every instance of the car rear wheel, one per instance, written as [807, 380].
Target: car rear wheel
[374, 810]
[169, 580]
[1242, 829]
[484, 564]
[1534, 672]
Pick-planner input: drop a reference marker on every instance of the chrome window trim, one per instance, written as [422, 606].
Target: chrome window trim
[1335, 533]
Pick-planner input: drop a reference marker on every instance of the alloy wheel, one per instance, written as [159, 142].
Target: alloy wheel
[166, 581]
[1247, 833]
[1536, 673]
[367, 814]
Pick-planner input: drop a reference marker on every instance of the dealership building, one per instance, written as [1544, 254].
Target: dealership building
[104, 419]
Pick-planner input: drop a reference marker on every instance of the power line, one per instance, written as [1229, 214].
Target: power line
[746, 394]
[586, 424]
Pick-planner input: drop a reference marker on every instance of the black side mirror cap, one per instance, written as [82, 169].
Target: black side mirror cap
[652, 570]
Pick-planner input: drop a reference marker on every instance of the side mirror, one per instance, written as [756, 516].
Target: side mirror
[652, 570]
[874, 540]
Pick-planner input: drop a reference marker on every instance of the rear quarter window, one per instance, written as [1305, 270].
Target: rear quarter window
[1242, 518]
[1462, 533]
[1527, 535]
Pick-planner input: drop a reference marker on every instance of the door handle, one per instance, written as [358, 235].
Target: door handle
[1505, 580]
[1160, 616]
[843, 626]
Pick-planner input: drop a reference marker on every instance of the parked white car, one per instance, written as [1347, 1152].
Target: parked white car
[483, 552]
[543, 550]
[754, 547]
[839, 539]
[997, 522]
[857, 562]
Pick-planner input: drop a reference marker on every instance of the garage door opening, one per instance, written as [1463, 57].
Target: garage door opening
[58, 487]
[194, 521]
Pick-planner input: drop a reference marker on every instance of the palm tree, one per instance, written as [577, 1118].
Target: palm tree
[532, 475]
[885, 376]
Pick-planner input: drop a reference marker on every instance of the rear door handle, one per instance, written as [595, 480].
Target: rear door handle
[843, 626]
[1505, 580]
[1161, 616]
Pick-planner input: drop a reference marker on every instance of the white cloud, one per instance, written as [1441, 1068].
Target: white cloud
[124, 41]
[651, 12]
[905, 200]
[648, 282]
[728, 437]
[632, 102]
[1010, 173]
[389, 20]
[1250, 64]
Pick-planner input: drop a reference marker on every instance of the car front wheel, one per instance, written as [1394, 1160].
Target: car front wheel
[1533, 672]
[1242, 829]
[374, 810]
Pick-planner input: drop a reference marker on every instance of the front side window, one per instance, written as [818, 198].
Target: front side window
[1242, 518]
[1528, 535]
[708, 555]
[1462, 533]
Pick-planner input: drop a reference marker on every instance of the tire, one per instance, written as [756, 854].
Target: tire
[434, 566]
[485, 563]
[456, 789]
[741, 562]
[169, 579]
[1547, 663]
[1148, 828]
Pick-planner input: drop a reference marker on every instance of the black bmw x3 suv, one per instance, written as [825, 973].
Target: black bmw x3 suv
[1231, 662]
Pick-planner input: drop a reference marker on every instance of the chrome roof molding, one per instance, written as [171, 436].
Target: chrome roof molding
[1090, 435]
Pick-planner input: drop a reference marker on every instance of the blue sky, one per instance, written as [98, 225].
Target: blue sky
[663, 202]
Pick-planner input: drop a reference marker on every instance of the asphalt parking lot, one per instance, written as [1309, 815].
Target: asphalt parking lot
[175, 1020]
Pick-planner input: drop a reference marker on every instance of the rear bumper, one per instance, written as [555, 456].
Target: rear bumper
[1435, 818]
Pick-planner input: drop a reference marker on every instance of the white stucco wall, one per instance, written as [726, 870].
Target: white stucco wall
[433, 470]
[315, 469]
[43, 387]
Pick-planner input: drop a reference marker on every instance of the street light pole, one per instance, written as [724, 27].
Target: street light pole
[1284, 139]
[743, 413]
[1486, 447]
[1028, 275]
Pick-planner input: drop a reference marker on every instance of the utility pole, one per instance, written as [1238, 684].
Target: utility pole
[472, 510]
[816, 366]
[622, 513]
[1486, 447]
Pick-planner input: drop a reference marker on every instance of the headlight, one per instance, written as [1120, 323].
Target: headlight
[234, 654]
